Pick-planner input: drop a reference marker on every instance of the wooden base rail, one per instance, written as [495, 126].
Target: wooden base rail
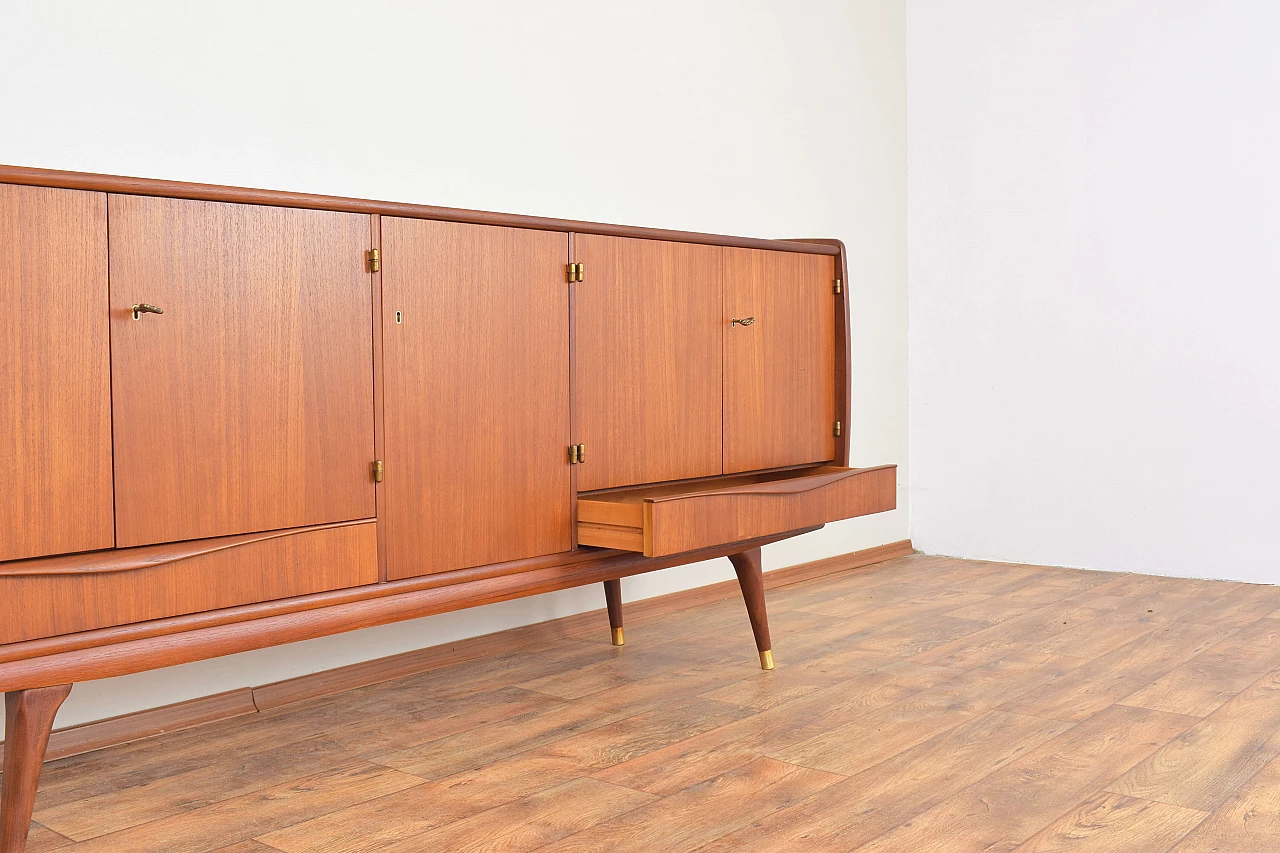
[200, 644]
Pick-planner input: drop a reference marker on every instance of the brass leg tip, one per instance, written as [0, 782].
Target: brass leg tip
[618, 638]
[766, 659]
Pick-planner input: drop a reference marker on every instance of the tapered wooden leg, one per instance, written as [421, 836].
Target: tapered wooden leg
[613, 598]
[751, 579]
[27, 723]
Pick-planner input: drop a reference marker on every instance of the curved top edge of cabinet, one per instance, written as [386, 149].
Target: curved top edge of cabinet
[279, 198]
[145, 556]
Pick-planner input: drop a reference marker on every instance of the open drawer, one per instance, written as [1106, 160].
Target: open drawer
[671, 519]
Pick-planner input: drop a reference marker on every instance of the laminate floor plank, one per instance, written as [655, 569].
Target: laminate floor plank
[230, 742]
[1204, 683]
[845, 635]
[903, 612]
[893, 580]
[855, 746]
[1003, 578]
[639, 660]
[1017, 633]
[1093, 686]
[531, 823]
[1009, 806]
[913, 639]
[1248, 822]
[410, 812]
[480, 745]
[173, 795]
[644, 733]
[893, 612]
[1102, 635]
[808, 675]
[921, 704]
[1110, 823]
[1028, 598]
[475, 677]
[1242, 606]
[42, 840]
[1204, 766]
[205, 778]
[1165, 597]
[697, 759]
[701, 813]
[856, 810]
[241, 818]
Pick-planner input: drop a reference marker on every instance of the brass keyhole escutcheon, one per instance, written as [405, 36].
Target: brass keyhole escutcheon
[745, 321]
[399, 317]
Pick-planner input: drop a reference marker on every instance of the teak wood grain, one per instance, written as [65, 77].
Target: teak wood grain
[259, 569]
[750, 571]
[55, 380]
[28, 720]
[143, 556]
[379, 392]
[476, 332]
[670, 519]
[648, 361]
[844, 355]
[779, 371]
[248, 404]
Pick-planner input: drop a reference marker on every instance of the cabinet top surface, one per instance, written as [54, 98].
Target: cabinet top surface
[213, 192]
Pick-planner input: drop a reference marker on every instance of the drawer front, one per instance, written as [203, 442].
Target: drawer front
[674, 523]
[48, 598]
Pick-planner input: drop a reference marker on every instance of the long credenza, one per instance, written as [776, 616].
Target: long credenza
[238, 418]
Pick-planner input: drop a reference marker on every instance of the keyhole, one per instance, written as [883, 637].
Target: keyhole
[399, 317]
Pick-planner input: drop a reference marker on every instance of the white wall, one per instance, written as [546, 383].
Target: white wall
[1094, 265]
[774, 119]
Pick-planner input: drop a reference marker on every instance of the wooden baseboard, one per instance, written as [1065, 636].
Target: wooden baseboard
[235, 703]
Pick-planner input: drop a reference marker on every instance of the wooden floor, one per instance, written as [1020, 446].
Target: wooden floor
[923, 704]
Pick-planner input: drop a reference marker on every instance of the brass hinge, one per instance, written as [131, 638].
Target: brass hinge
[837, 428]
[377, 470]
[574, 271]
[375, 263]
[838, 286]
[577, 454]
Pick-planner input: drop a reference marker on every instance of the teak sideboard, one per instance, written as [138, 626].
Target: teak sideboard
[238, 418]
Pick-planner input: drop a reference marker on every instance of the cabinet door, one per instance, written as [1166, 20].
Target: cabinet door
[248, 404]
[648, 341]
[476, 348]
[779, 378]
[55, 391]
